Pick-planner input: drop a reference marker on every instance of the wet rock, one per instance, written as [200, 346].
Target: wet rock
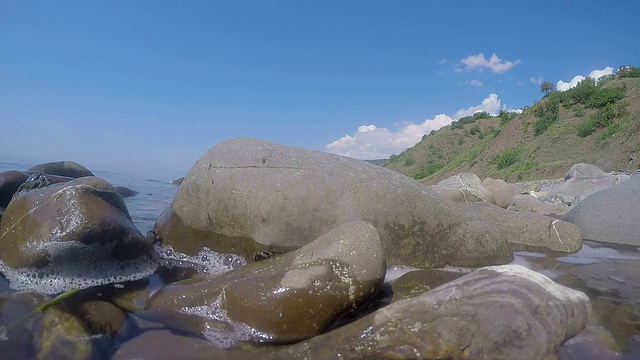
[63, 168]
[29, 334]
[164, 344]
[611, 215]
[502, 312]
[177, 181]
[582, 180]
[125, 192]
[247, 195]
[78, 234]
[10, 181]
[530, 231]
[530, 203]
[290, 298]
[417, 282]
[501, 190]
[101, 317]
[464, 188]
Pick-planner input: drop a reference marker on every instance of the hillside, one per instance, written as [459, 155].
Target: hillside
[594, 122]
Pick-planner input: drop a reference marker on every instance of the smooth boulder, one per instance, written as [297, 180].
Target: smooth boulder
[502, 191]
[291, 298]
[501, 312]
[464, 188]
[77, 234]
[529, 203]
[530, 231]
[248, 195]
[611, 215]
[62, 168]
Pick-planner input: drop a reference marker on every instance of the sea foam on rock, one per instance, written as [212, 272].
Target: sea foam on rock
[286, 299]
[248, 195]
[72, 235]
[501, 312]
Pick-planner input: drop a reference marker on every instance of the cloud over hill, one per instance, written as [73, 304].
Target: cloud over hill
[372, 142]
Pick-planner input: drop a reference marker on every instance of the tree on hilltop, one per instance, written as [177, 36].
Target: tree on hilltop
[547, 87]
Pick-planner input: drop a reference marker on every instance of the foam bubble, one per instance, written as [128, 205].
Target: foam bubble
[76, 265]
[220, 330]
[207, 262]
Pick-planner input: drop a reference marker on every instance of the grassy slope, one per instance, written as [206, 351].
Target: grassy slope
[547, 155]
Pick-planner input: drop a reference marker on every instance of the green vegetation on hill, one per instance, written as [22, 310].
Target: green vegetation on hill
[581, 124]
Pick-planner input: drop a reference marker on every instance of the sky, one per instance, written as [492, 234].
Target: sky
[155, 84]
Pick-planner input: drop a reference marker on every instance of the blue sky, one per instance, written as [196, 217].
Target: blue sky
[155, 84]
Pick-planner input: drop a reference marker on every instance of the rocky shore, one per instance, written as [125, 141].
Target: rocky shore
[276, 252]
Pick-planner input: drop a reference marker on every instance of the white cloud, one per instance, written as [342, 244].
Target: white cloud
[371, 142]
[537, 81]
[475, 83]
[443, 61]
[479, 62]
[595, 74]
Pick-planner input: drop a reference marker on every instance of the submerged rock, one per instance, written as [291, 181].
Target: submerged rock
[247, 195]
[501, 312]
[77, 234]
[287, 299]
[29, 334]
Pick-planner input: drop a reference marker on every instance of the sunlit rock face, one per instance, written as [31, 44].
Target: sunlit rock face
[502, 312]
[248, 195]
[291, 298]
[72, 235]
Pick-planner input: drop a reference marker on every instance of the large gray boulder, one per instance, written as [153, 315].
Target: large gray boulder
[611, 215]
[582, 180]
[502, 312]
[72, 235]
[464, 188]
[248, 195]
[530, 231]
[291, 298]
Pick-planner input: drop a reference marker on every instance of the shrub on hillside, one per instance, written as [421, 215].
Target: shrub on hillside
[628, 72]
[586, 128]
[604, 96]
[431, 168]
[508, 157]
[578, 110]
[409, 161]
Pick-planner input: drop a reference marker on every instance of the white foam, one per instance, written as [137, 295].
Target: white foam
[221, 330]
[529, 254]
[76, 265]
[207, 262]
